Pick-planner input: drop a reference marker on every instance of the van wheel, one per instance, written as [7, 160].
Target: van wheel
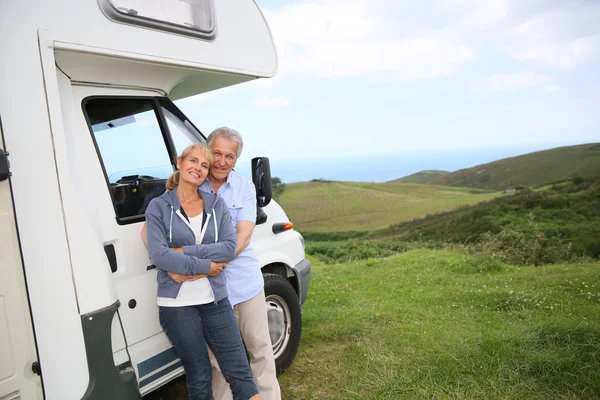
[285, 320]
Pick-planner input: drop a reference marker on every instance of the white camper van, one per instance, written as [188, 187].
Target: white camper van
[89, 134]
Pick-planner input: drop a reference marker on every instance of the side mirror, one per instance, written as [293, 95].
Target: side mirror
[261, 176]
[5, 168]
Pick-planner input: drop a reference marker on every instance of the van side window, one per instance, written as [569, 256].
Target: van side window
[133, 150]
[182, 133]
[185, 17]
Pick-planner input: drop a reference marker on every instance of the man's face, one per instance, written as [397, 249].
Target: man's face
[225, 153]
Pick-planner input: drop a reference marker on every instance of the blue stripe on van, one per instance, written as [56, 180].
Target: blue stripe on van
[160, 374]
[156, 362]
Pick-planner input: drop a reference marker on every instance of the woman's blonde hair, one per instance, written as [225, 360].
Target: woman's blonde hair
[173, 180]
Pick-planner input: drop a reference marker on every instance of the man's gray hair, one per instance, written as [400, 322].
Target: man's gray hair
[229, 134]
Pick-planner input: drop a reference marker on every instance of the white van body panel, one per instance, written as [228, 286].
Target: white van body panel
[242, 45]
[40, 217]
[285, 247]
[17, 346]
[58, 55]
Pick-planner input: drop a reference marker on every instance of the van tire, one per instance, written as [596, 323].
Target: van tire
[285, 319]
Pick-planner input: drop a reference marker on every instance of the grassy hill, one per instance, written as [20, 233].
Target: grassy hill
[421, 177]
[330, 206]
[534, 225]
[529, 169]
[569, 211]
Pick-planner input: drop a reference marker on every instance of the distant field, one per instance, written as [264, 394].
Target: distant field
[343, 206]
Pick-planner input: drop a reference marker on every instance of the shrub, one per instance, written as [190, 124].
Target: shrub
[525, 246]
[337, 252]
[480, 264]
[577, 180]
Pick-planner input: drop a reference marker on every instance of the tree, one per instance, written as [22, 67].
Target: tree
[277, 187]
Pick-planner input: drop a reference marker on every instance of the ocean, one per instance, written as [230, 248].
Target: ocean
[379, 168]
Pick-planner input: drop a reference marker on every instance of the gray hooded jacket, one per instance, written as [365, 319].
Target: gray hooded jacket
[168, 227]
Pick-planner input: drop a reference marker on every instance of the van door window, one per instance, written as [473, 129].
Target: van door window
[134, 151]
[182, 132]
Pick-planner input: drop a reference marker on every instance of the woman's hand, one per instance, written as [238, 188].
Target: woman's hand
[185, 278]
[178, 277]
[216, 268]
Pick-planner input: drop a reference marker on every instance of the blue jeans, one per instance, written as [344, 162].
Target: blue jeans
[190, 329]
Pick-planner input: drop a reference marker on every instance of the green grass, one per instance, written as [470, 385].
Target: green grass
[421, 177]
[529, 169]
[433, 325]
[342, 206]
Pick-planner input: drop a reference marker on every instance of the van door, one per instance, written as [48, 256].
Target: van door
[17, 345]
[132, 143]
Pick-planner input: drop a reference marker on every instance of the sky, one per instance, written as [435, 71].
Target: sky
[379, 89]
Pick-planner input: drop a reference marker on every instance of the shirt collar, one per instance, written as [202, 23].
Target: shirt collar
[227, 182]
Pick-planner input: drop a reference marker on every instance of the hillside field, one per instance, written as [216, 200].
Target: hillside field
[421, 177]
[326, 206]
[529, 169]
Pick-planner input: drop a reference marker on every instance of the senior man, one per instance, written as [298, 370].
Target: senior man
[245, 284]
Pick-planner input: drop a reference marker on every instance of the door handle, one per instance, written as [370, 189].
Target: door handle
[109, 249]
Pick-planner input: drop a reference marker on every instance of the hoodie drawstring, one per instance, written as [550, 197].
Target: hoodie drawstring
[216, 230]
[171, 227]
[188, 224]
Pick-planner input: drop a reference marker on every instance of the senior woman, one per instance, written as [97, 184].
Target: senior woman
[189, 232]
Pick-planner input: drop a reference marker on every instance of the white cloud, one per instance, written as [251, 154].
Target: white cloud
[351, 38]
[474, 14]
[272, 102]
[563, 37]
[406, 40]
[504, 82]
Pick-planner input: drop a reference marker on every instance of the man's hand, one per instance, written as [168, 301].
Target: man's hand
[216, 268]
[144, 236]
[178, 249]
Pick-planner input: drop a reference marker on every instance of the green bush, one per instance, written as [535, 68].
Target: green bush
[479, 265]
[332, 236]
[528, 246]
[567, 212]
[331, 252]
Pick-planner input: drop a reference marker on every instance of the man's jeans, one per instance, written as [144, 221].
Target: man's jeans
[190, 329]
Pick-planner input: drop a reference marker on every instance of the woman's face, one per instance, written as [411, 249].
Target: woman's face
[193, 169]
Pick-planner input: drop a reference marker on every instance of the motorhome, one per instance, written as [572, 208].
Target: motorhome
[89, 135]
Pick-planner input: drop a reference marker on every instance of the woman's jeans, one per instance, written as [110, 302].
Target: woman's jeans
[190, 329]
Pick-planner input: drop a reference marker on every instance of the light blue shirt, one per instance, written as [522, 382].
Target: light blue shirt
[244, 278]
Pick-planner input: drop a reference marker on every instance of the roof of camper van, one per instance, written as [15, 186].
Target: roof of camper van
[94, 47]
